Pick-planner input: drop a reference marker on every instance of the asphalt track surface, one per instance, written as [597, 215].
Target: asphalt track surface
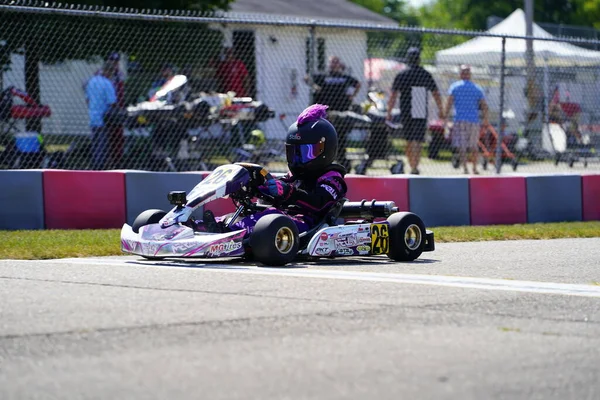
[496, 320]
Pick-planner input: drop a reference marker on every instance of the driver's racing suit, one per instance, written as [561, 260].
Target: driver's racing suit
[306, 201]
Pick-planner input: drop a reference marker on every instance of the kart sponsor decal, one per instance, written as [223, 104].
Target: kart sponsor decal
[380, 238]
[216, 250]
[174, 233]
[346, 240]
[322, 251]
[345, 252]
[363, 249]
[324, 236]
[177, 248]
[150, 249]
[218, 176]
[364, 239]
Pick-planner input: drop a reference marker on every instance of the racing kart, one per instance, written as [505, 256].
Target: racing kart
[349, 229]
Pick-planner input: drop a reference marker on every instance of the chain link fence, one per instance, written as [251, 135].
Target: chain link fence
[99, 89]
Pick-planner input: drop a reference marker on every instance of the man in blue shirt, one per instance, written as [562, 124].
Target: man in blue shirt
[101, 96]
[468, 99]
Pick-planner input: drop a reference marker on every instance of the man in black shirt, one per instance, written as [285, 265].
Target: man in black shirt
[412, 84]
[336, 90]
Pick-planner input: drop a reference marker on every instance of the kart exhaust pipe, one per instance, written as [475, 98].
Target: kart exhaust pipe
[368, 209]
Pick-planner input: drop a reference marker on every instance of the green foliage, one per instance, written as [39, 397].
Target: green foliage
[473, 14]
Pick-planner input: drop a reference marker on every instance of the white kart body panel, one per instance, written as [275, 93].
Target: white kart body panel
[180, 241]
[341, 240]
[213, 187]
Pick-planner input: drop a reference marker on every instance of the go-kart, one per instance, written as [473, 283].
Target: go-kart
[349, 229]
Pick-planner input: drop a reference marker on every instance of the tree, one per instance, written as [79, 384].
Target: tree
[52, 38]
[386, 44]
[473, 14]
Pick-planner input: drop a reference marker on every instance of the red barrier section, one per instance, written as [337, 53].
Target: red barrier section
[498, 200]
[590, 188]
[379, 188]
[84, 199]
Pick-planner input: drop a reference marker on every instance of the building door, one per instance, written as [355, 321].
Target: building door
[244, 48]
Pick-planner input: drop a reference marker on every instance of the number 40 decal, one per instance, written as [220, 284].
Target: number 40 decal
[380, 238]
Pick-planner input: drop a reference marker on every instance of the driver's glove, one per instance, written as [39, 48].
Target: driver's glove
[277, 189]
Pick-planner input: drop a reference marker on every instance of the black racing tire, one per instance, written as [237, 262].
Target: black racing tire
[146, 218]
[407, 236]
[275, 240]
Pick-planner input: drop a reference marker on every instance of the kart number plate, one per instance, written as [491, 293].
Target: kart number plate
[380, 238]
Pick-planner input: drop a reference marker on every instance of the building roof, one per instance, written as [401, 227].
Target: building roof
[318, 9]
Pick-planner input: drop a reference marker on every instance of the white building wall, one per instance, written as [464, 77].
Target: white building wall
[280, 66]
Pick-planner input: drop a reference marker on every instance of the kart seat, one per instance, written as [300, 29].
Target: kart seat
[330, 219]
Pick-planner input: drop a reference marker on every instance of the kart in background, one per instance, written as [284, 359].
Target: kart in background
[180, 124]
[349, 229]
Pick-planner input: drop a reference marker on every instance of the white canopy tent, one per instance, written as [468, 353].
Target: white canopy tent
[485, 50]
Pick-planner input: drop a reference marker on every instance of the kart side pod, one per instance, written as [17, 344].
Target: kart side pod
[368, 209]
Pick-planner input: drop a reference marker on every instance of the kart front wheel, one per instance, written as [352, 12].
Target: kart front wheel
[146, 218]
[275, 240]
[407, 236]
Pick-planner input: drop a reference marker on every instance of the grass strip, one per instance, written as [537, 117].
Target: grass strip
[47, 244]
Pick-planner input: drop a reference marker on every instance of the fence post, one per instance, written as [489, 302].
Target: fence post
[312, 51]
[501, 130]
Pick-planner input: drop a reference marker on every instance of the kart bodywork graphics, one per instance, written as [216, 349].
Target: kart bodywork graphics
[180, 241]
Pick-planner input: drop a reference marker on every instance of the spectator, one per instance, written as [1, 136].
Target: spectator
[232, 74]
[412, 84]
[116, 137]
[336, 89]
[101, 97]
[115, 132]
[468, 99]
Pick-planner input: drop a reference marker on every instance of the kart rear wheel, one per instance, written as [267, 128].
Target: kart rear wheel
[147, 217]
[275, 240]
[407, 236]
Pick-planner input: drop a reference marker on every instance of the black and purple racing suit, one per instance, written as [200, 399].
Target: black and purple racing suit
[305, 200]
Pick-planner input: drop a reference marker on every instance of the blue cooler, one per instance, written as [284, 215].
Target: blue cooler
[28, 142]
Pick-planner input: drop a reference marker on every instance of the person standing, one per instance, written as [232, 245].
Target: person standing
[116, 136]
[412, 85]
[468, 99]
[101, 97]
[115, 131]
[232, 74]
[337, 90]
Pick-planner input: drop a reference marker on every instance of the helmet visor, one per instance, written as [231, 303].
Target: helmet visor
[298, 154]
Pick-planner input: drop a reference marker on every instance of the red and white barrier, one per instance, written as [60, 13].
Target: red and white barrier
[98, 199]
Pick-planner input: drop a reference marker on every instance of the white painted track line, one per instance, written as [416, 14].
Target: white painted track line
[566, 289]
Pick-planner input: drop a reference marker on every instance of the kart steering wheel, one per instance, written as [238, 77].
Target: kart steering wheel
[258, 174]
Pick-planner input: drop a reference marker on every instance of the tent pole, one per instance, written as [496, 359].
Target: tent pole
[501, 130]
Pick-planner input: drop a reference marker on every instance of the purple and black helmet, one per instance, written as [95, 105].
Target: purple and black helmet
[311, 142]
